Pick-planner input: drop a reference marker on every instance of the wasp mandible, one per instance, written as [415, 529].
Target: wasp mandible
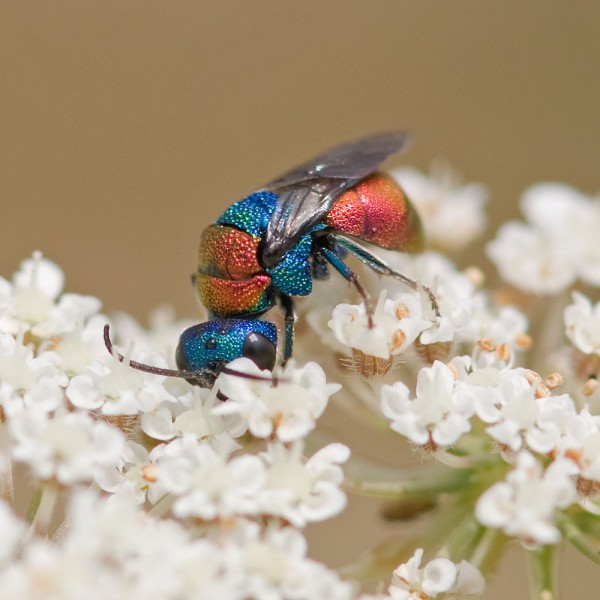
[269, 247]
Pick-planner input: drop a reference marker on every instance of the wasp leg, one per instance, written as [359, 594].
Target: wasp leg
[287, 304]
[344, 270]
[380, 266]
[320, 268]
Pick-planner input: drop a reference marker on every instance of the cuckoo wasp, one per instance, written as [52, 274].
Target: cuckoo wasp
[269, 248]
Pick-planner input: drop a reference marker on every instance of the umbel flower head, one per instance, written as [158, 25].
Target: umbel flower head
[144, 487]
[227, 487]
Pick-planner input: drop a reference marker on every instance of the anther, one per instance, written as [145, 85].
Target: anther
[401, 311]
[590, 386]
[554, 381]
[503, 352]
[486, 344]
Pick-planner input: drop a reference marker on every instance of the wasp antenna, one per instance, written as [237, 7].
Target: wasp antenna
[193, 375]
[143, 367]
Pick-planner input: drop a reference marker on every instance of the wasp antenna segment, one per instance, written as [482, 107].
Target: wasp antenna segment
[141, 366]
[433, 300]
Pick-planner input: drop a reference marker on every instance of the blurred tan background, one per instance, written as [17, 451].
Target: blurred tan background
[128, 126]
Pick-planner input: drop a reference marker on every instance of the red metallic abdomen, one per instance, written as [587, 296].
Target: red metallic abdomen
[378, 211]
[230, 282]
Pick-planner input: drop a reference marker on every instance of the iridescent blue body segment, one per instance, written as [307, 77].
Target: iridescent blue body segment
[293, 275]
[251, 214]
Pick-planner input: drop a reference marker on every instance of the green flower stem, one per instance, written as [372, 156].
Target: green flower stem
[465, 539]
[379, 562]
[542, 570]
[42, 508]
[162, 506]
[489, 551]
[370, 479]
[453, 531]
[482, 547]
[34, 504]
[582, 530]
[466, 473]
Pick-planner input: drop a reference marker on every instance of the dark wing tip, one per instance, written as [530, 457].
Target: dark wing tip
[352, 160]
[394, 141]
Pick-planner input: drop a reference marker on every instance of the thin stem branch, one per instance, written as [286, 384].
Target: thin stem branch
[42, 510]
[581, 530]
[542, 571]
[34, 504]
[163, 506]
[396, 482]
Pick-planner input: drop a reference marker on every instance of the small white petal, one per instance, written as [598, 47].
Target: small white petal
[438, 576]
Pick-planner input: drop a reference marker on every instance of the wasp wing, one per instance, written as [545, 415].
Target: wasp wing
[307, 192]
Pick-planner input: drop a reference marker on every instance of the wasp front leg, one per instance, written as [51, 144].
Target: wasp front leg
[349, 275]
[287, 305]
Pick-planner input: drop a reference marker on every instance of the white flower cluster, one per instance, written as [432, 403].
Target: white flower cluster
[115, 550]
[396, 325]
[438, 415]
[207, 485]
[524, 420]
[452, 213]
[286, 408]
[582, 321]
[557, 245]
[402, 318]
[479, 405]
[235, 469]
[525, 504]
[438, 577]
[203, 493]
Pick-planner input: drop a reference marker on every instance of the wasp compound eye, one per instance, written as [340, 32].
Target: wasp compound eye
[261, 350]
[202, 377]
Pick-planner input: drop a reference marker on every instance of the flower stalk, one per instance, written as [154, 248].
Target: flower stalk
[42, 508]
[543, 569]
